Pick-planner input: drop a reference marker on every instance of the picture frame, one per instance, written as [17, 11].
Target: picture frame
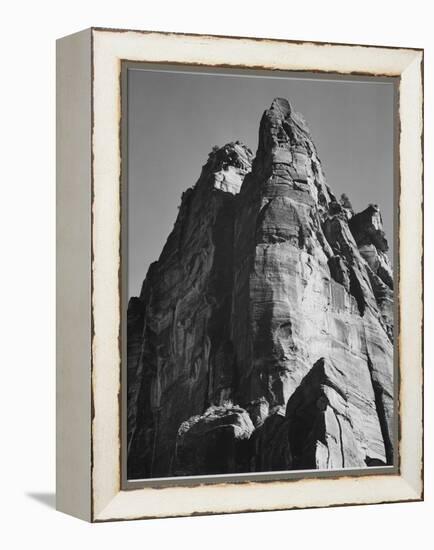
[91, 172]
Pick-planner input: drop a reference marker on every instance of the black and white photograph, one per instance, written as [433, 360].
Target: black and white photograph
[260, 242]
[217, 305]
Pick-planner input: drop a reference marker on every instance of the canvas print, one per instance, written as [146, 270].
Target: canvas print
[259, 260]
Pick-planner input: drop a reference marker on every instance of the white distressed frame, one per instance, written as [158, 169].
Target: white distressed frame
[106, 499]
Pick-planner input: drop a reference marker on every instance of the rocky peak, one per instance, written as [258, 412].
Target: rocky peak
[281, 107]
[367, 228]
[234, 154]
[287, 157]
[228, 166]
[272, 294]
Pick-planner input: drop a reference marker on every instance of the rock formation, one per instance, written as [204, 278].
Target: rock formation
[262, 338]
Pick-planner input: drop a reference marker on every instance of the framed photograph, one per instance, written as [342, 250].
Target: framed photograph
[239, 274]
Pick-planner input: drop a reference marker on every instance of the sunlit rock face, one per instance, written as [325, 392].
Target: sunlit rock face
[263, 336]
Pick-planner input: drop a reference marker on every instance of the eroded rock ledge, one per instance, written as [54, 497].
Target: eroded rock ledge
[262, 337]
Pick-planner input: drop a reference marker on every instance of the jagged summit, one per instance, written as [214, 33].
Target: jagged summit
[229, 164]
[273, 296]
[367, 228]
[287, 157]
[282, 107]
[234, 153]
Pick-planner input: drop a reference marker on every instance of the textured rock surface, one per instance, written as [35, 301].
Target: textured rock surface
[186, 361]
[216, 442]
[274, 295]
[332, 421]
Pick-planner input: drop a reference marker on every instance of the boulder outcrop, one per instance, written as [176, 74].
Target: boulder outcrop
[216, 442]
[262, 339]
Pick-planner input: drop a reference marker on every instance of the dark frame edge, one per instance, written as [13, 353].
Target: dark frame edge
[253, 38]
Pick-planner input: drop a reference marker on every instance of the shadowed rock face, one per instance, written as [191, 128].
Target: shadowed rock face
[184, 360]
[216, 442]
[271, 294]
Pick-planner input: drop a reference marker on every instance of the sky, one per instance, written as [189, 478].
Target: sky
[175, 118]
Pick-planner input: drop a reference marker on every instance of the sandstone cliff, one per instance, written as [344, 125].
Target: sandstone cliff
[262, 339]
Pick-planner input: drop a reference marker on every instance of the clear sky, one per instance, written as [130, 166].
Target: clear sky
[174, 119]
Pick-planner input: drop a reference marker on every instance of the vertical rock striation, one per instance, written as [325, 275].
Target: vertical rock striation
[186, 357]
[263, 337]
